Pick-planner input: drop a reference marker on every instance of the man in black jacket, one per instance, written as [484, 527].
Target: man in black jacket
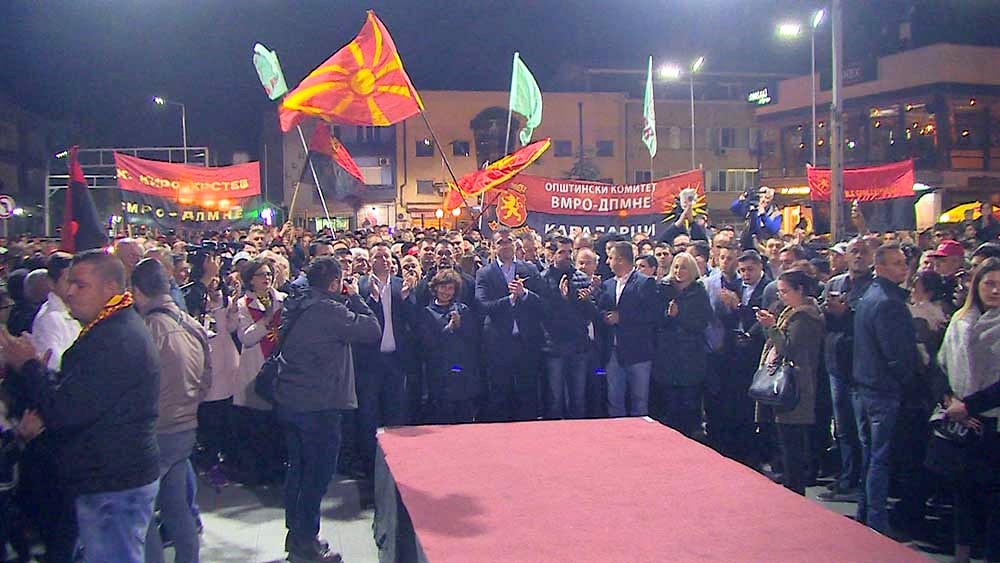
[568, 314]
[316, 382]
[885, 354]
[104, 409]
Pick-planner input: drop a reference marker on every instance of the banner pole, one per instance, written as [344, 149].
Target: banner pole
[291, 207]
[510, 108]
[312, 168]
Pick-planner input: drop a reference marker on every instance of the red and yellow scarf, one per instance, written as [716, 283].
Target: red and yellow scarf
[115, 304]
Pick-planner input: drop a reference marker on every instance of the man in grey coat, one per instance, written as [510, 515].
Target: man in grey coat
[316, 381]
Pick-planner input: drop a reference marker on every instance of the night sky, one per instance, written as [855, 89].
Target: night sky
[100, 61]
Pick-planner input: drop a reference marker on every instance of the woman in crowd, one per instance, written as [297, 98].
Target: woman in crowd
[968, 357]
[215, 433]
[795, 336]
[258, 315]
[927, 300]
[679, 369]
[451, 350]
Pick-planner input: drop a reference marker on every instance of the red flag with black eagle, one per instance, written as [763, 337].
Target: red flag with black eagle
[81, 227]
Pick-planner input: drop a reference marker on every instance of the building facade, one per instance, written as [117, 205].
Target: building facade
[939, 105]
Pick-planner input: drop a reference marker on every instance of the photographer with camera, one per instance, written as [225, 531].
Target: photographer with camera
[763, 218]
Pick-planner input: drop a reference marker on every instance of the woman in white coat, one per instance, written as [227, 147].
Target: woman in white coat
[260, 452]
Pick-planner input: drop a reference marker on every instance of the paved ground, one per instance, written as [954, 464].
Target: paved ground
[247, 525]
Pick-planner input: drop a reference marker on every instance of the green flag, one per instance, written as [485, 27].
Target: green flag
[649, 114]
[525, 98]
[269, 71]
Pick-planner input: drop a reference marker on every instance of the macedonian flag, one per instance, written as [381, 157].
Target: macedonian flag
[361, 84]
[495, 174]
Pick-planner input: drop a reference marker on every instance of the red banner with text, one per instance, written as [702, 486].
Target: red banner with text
[184, 196]
[875, 183]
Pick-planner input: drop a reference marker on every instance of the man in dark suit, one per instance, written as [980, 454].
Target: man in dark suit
[381, 382]
[507, 294]
[630, 306]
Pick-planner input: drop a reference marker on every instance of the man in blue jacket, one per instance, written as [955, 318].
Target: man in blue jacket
[630, 306]
[885, 353]
[507, 294]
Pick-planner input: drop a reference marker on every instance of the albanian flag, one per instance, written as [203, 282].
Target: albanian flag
[495, 174]
[81, 228]
[325, 143]
[361, 84]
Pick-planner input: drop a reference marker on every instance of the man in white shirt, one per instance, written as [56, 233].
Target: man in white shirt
[54, 329]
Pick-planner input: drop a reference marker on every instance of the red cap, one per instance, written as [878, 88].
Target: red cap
[948, 248]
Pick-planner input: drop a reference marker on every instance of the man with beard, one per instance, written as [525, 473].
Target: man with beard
[568, 313]
[444, 259]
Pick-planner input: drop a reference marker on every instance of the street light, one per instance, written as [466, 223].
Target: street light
[673, 72]
[161, 101]
[792, 30]
[670, 72]
[695, 67]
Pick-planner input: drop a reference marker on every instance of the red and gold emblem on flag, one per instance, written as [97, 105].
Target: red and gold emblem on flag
[512, 209]
[361, 84]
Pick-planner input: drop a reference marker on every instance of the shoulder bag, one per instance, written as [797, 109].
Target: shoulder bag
[774, 384]
[267, 378]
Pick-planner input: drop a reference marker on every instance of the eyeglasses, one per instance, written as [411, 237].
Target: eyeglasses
[264, 274]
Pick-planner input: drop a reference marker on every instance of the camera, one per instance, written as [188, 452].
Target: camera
[752, 198]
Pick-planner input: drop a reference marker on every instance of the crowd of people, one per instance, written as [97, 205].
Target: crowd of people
[125, 365]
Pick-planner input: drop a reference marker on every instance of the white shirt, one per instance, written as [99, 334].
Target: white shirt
[54, 329]
[620, 287]
[509, 273]
[385, 298]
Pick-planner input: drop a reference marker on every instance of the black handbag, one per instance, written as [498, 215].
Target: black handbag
[266, 382]
[775, 385]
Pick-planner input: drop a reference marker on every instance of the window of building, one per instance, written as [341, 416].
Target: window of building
[368, 134]
[605, 148]
[675, 138]
[337, 132]
[733, 180]
[727, 138]
[460, 148]
[425, 187]
[425, 147]
[562, 148]
[643, 176]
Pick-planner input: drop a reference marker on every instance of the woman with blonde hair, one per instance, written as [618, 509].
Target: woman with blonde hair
[681, 359]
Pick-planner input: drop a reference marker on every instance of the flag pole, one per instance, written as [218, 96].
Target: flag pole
[510, 109]
[322, 199]
[291, 207]
[437, 144]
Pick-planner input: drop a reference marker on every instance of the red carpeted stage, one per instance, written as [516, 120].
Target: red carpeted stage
[594, 490]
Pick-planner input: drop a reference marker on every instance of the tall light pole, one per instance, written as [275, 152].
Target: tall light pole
[695, 67]
[160, 101]
[816, 20]
[837, 125]
[791, 30]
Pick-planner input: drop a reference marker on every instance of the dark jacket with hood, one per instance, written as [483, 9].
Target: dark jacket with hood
[319, 369]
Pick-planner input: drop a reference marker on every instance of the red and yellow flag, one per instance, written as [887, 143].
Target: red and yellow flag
[361, 84]
[495, 173]
[325, 143]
